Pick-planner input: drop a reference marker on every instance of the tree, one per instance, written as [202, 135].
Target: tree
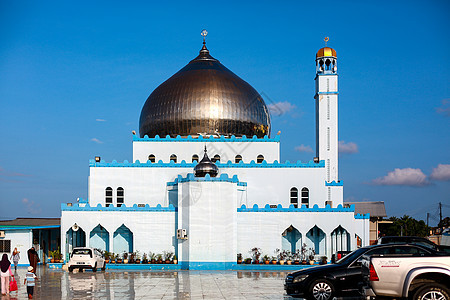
[406, 226]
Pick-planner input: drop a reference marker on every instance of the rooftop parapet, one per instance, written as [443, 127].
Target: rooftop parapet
[211, 138]
[229, 164]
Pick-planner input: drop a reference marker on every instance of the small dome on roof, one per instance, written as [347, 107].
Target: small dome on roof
[206, 166]
[326, 52]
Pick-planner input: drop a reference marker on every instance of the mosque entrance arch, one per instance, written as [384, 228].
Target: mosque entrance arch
[99, 238]
[315, 240]
[75, 237]
[292, 239]
[123, 240]
[340, 240]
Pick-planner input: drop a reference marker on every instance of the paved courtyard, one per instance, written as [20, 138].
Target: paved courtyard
[119, 284]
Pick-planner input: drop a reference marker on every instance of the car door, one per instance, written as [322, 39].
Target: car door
[353, 279]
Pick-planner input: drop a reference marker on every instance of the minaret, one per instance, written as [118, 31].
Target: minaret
[327, 111]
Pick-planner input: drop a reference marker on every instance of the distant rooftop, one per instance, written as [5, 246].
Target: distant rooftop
[374, 208]
[31, 223]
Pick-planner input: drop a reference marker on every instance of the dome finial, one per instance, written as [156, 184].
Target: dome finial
[204, 33]
[326, 39]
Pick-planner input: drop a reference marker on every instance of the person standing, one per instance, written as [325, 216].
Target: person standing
[30, 279]
[15, 257]
[33, 258]
[5, 272]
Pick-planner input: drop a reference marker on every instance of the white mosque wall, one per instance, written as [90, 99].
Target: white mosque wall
[207, 211]
[148, 185]
[216, 231]
[152, 230]
[264, 230]
[185, 148]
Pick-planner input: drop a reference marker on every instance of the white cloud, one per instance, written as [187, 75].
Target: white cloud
[444, 109]
[303, 148]
[96, 140]
[280, 108]
[406, 176]
[100, 120]
[441, 172]
[347, 148]
[31, 207]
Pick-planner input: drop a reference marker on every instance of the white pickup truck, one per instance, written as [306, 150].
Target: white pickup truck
[416, 277]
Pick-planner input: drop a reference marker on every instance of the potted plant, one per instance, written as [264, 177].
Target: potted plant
[248, 261]
[256, 253]
[56, 256]
[280, 255]
[175, 260]
[323, 260]
[118, 259]
[274, 260]
[167, 256]
[107, 256]
[137, 256]
[296, 257]
[303, 256]
[266, 259]
[52, 255]
[239, 258]
[125, 257]
[144, 259]
[159, 259]
[152, 257]
[311, 256]
[132, 257]
[113, 258]
[288, 257]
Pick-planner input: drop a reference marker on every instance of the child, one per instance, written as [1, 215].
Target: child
[29, 280]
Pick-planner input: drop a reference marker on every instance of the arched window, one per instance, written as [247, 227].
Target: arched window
[194, 158]
[305, 196]
[216, 158]
[173, 158]
[151, 158]
[260, 159]
[120, 196]
[108, 196]
[237, 159]
[294, 196]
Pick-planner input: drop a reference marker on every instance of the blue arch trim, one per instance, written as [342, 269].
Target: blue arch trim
[222, 178]
[222, 138]
[334, 183]
[229, 164]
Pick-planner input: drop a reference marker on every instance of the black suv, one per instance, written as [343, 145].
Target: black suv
[413, 240]
[344, 278]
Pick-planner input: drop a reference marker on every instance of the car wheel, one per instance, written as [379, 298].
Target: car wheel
[432, 292]
[321, 289]
[70, 269]
[94, 269]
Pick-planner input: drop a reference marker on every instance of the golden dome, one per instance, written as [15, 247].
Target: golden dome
[204, 98]
[326, 52]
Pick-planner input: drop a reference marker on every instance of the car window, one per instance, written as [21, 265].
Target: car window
[82, 251]
[380, 251]
[408, 250]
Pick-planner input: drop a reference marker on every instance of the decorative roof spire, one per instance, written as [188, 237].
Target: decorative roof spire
[204, 52]
[204, 33]
[206, 166]
[326, 39]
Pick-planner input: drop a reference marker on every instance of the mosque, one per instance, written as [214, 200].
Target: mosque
[206, 181]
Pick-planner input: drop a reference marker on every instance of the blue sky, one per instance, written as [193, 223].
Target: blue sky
[75, 75]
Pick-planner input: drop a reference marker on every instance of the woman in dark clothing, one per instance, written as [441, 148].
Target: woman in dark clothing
[33, 258]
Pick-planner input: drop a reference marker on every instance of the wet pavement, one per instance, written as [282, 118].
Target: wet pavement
[120, 284]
